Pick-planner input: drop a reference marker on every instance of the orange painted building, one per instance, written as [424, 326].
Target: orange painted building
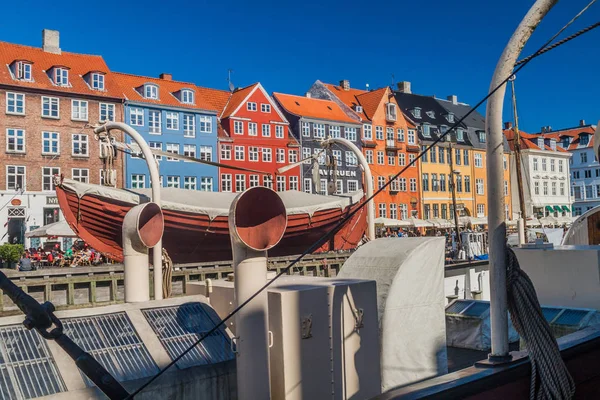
[389, 142]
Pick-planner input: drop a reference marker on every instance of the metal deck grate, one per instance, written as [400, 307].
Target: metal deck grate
[112, 341]
[571, 317]
[458, 306]
[179, 327]
[27, 370]
[477, 309]
[550, 313]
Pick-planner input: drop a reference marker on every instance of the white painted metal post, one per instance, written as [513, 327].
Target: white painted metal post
[495, 176]
[368, 180]
[521, 230]
[155, 180]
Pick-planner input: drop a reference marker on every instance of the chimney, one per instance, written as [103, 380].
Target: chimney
[345, 84]
[404, 87]
[166, 77]
[308, 95]
[51, 41]
[508, 125]
[453, 98]
[582, 122]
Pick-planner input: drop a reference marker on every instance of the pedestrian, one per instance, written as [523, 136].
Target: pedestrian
[25, 263]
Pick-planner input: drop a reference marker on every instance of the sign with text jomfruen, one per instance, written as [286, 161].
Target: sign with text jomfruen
[339, 173]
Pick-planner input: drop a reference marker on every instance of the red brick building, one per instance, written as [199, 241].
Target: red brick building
[254, 134]
[48, 99]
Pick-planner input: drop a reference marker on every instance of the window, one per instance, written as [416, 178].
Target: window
[479, 183]
[50, 143]
[48, 174]
[400, 134]
[425, 130]
[424, 156]
[584, 139]
[352, 186]
[107, 112]
[206, 153]
[266, 130]
[478, 160]
[562, 189]
[442, 153]
[138, 181]
[266, 108]
[575, 174]
[189, 125]
[390, 114]
[319, 130]
[225, 152]
[279, 131]
[51, 107]
[577, 192]
[393, 211]
[79, 110]
[402, 184]
[189, 182]
[545, 186]
[587, 173]
[206, 184]
[382, 210]
[15, 177]
[238, 127]
[465, 157]
[544, 164]
[457, 156]
[467, 184]
[536, 187]
[460, 136]
[136, 116]
[280, 183]
[380, 160]
[292, 156]
[173, 182]
[390, 156]
[23, 71]
[189, 150]
[436, 211]
[444, 211]
[251, 106]
[253, 181]
[560, 165]
[253, 153]
[443, 183]
[172, 148]
[379, 132]
[434, 183]
[239, 153]
[416, 112]
[305, 129]
[427, 211]
[61, 76]
[480, 210]
[368, 132]
[425, 182]
[187, 97]
[15, 140]
[482, 136]
[411, 136]
[151, 91]
[583, 157]
[294, 183]
[459, 187]
[413, 184]
[81, 175]
[432, 155]
[268, 181]
[307, 187]
[15, 103]
[506, 188]
[369, 156]
[80, 145]
[240, 182]
[350, 134]
[535, 164]
[280, 156]
[205, 124]
[553, 188]
[411, 158]
[252, 129]
[401, 159]
[403, 211]
[97, 81]
[380, 182]
[154, 121]
[156, 146]
[172, 120]
[266, 155]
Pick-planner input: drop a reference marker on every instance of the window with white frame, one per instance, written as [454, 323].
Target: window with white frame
[189, 150]
[411, 158]
[15, 103]
[240, 183]
[206, 153]
[379, 132]
[23, 71]
[391, 156]
[50, 143]
[368, 132]
[48, 174]
[323, 187]
[268, 181]
[292, 156]
[266, 108]
[562, 188]
[205, 124]
[187, 96]
[380, 159]
[479, 186]
[382, 210]
[553, 189]
[544, 166]
[351, 159]
[61, 76]
[334, 131]
[206, 184]
[81, 175]
[154, 121]
[402, 184]
[280, 156]
[266, 130]
[79, 110]
[535, 163]
[156, 146]
[80, 145]
[411, 136]
[306, 153]
[480, 210]
[337, 154]
[403, 211]
[369, 156]
[536, 187]
[280, 183]
[416, 112]
[189, 125]
[413, 184]
[189, 182]
[307, 187]
[319, 130]
[253, 153]
[173, 181]
[560, 165]
[478, 160]
[239, 153]
[482, 136]
[267, 155]
[97, 81]
[252, 129]
[352, 186]
[545, 187]
[401, 159]
[238, 127]
[425, 129]
[251, 106]
[107, 112]
[51, 107]
[552, 165]
[174, 149]
[460, 135]
[15, 177]
[172, 120]
[380, 182]
[293, 183]
[400, 134]
[339, 186]
[393, 211]
[389, 133]
[253, 181]
[151, 92]
[138, 181]
[15, 140]
[350, 134]
[306, 129]
[136, 116]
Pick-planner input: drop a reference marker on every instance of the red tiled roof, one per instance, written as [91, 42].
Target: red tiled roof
[528, 141]
[574, 133]
[205, 99]
[313, 108]
[237, 97]
[370, 101]
[78, 65]
[348, 97]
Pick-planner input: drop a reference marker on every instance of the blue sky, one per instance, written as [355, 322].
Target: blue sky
[442, 47]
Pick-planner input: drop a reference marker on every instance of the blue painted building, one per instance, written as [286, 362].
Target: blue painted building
[175, 117]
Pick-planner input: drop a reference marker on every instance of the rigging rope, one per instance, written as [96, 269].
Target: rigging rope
[547, 365]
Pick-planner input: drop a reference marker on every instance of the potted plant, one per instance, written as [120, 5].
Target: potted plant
[11, 254]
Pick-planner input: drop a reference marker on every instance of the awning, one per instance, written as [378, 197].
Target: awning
[549, 208]
[565, 208]
[557, 208]
[60, 229]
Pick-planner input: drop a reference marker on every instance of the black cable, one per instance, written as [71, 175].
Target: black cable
[326, 236]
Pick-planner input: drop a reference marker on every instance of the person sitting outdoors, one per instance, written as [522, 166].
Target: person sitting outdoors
[25, 263]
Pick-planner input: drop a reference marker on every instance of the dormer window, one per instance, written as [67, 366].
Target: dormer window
[584, 139]
[482, 136]
[358, 108]
[540, 143]
[416, 112]
[426, 130]
[187, 96]
[61, 76]
[430, 114]
[459, 135]
[450, 118]
[23, 71]
[553, 144]
[390, 113]
[565, 141]
[97, 81]
[151, 92]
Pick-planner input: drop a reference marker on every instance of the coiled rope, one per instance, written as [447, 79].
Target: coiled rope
[547, 365]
